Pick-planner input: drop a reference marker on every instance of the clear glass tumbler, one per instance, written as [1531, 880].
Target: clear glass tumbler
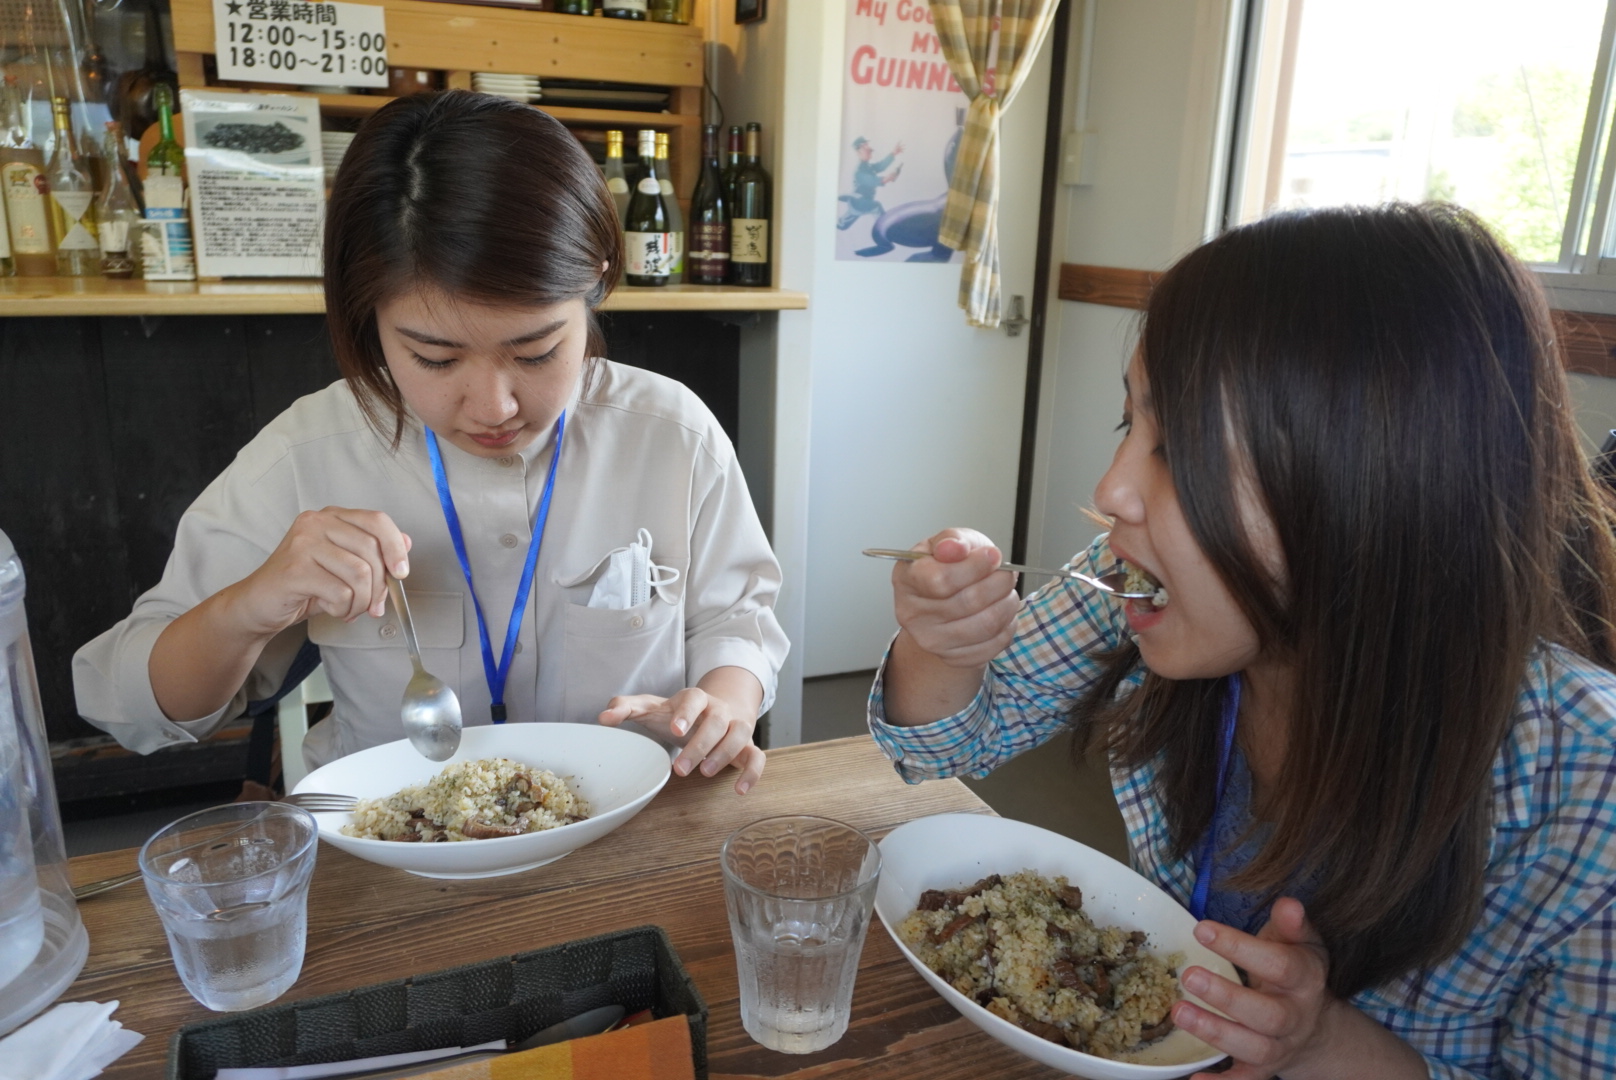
[799, 891]
[231, 885]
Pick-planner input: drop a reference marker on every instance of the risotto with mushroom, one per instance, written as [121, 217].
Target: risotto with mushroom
[471, 800]
[1021, 947]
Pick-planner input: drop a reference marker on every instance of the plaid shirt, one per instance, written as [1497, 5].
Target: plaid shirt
[1531, 992]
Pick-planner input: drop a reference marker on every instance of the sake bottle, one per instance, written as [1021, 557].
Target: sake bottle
[616, 179]
[647, 237]
[676, 217]
[22, 179]
[72, 202]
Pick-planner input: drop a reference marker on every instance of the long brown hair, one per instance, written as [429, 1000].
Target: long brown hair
[476, 195]
[1390, 379]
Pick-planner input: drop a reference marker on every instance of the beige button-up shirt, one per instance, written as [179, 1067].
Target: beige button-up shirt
[640, 451]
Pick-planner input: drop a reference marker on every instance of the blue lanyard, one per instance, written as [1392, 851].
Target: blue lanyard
[1204, 863]
[497, 673]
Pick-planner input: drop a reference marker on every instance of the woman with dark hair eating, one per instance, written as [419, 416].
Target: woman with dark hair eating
[576, 535]
[1366, 729]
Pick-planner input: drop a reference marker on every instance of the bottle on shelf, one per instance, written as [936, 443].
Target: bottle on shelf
[616, 179]
[624, 9]
[166, 252]
[116, 210]
[575, 7]
[647, 238]
[668, 11]
[732, 162]
[22, 178]
[708, 255]
[72, 202]
[130, 98]
[676, 217]
[749, 217]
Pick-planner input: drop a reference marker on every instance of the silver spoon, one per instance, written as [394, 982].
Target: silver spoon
[431, 712]
[1112, 585]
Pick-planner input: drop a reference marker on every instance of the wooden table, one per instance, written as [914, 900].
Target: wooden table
[369, 924]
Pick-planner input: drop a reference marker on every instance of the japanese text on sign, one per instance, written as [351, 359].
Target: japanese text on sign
[300, 42]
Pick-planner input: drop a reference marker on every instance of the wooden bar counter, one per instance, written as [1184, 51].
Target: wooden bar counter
[369, 924]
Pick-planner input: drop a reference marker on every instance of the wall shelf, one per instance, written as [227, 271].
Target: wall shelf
[23, 296]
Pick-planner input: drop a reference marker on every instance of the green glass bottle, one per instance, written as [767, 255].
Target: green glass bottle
[707, 260]
[749, 217]
[575, 7]
[167, 158]
[647, 237]
[616, 178]
[667, 11]
[624, 9]
[670, 201]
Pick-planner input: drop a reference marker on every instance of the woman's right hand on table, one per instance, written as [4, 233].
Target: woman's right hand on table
[330, 562]
[957, 605]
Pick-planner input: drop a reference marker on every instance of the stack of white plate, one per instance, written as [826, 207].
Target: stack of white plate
[333, 144]
[515, 87]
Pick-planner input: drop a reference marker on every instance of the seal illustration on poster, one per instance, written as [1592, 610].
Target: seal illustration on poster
[902, 114]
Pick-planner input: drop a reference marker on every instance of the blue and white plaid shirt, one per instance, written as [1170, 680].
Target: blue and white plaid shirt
[1531, 993]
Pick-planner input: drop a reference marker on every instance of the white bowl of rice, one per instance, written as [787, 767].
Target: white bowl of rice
[599, 778]
[954, 852]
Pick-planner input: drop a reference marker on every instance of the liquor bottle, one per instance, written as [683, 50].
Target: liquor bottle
[72, 202]
[116, 210]
[22, 177]
[575, 7]
[167, 253]
[749, 218]
[709, 217]
[676, 217]
[668, 11]
[647, 239]
[732, 163]
[616, 180]
[624, 9]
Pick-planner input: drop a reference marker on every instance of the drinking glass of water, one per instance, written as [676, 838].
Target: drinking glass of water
[799, 891]
[231, 885]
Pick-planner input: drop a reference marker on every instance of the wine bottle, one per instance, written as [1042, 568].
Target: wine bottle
[22, 177]
[72, 202]
[749, 221]
[709, 218]
[732, 163]
[575, 7]
[616, 180]
[116, 208]
[624, 9]
[647, 240]
[676, 217]
[667, 11]
[168, 253]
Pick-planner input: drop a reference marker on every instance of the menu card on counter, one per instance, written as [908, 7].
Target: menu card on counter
[257, 183]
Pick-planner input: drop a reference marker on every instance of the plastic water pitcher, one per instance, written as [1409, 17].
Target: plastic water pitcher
[43, 944]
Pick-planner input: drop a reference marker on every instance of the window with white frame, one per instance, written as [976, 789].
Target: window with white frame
[1502, 106]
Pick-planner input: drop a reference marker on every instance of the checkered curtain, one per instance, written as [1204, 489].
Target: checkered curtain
[989, 45]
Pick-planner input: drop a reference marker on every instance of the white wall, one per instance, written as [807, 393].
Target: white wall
[1152, 106]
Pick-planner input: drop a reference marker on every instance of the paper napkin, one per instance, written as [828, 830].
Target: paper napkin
[73, 1041]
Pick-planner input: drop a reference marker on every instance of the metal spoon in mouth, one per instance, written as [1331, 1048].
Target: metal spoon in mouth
[1113, 585]
[431, 712]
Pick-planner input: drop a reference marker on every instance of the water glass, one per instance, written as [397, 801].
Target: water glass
[799, 891]
[231, 885]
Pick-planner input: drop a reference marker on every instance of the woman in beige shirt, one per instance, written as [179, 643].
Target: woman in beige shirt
[468, 242]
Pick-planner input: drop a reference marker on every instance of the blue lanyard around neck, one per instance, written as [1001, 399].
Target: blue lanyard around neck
[497, 673]
[1204, 863]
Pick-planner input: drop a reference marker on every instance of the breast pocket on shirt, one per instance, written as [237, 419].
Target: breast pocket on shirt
[368, 664]
[611, 651]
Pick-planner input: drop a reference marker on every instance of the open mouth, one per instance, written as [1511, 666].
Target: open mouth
[1140, 580]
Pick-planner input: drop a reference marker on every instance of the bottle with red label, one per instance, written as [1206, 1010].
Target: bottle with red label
[707, 260]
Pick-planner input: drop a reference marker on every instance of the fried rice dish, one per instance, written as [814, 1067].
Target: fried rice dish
[471, 800]
[1021, 947]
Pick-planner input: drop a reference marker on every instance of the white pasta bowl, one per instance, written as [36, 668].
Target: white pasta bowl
[950, 851]
[617, 772]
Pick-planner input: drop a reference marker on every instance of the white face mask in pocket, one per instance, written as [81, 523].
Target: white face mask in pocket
[630, 576]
